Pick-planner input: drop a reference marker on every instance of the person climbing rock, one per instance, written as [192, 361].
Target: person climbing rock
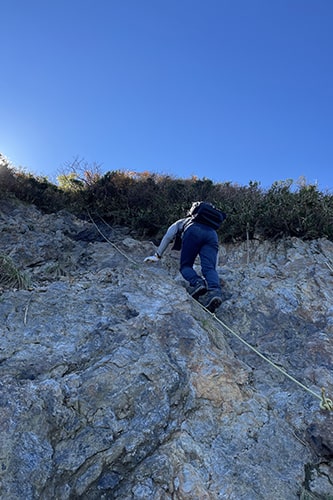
[196, 235]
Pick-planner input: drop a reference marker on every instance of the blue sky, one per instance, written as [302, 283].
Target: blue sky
[230, 90]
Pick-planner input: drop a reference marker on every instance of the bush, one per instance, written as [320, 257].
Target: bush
[148, 203]
[7, 179]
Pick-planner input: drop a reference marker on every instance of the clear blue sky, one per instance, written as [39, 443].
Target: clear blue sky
[230, 90]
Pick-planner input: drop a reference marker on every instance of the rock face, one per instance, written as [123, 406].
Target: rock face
[115, 384]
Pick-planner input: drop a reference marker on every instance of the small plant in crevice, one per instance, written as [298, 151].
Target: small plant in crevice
[11, 276]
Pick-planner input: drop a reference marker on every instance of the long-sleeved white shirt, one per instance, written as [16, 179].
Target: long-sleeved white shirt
[171, 234]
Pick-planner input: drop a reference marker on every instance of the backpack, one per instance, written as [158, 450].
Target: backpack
[177, 244]
[205, 213]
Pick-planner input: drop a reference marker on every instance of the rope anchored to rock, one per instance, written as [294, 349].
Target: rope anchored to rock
[325, 403]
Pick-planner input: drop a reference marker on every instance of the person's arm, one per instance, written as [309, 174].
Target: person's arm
[166, 240]
[169, 237]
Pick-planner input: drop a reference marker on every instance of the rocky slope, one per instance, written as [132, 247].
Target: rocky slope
[115, 384]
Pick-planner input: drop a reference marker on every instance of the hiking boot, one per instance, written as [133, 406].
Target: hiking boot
[198, 289]
[211, 300]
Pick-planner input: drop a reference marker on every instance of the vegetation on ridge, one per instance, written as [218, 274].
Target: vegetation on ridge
[147, 202]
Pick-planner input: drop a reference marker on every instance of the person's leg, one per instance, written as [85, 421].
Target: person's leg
[191, 245]
[208, 258]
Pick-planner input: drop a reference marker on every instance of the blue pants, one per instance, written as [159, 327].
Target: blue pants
[201, 240]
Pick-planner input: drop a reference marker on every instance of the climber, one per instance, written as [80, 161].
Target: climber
[198, 237]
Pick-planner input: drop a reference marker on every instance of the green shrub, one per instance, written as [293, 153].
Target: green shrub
[148, 203]
[7, 179]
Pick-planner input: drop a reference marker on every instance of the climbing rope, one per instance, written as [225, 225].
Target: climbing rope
[325, 403]
[109, 241]
[329, 266]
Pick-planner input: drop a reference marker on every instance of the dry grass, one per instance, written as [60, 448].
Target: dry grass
[10, 275]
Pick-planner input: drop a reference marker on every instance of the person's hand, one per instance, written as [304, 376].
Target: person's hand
[152, 258]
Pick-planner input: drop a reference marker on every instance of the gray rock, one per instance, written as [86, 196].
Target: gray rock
[114, 383]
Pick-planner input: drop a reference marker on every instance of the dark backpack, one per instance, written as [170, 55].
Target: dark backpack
[177, 244]
[205, 213]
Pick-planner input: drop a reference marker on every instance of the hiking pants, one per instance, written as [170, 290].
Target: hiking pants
[202, 240]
